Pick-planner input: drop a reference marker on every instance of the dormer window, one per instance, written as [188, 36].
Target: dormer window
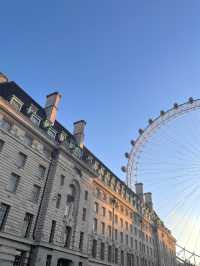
[16, 103]
[52, 133]
[35, 119]
[32, 109]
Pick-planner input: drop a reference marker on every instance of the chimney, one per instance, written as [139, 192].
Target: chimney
[79, 127]
[148, 199]
[139, 190]
[51, 106]
[3, 78]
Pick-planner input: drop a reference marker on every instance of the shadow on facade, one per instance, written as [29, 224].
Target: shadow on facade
[64, 262]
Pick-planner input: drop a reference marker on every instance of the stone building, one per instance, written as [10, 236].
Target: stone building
[59, 204]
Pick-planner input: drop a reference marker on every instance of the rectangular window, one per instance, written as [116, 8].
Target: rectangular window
[95, 225]
[110, 215]
[28, 140]
[48, 260]
[28, 220]
[116, 219]
[52, 133]
[20, 259]
[96, 207]
[121, 237]
[116, 255]
[62, 180]
[13, 183]
[6, 125]
[109, 253]
[84, 214]
[102, 251]
[1, 145]
[21, 160]
[103, 228]
[16, 103]
[94, 248]
[121, 223]
[4, 209]
[127, 240]
[122, 258]
[131, 242]
[126, 224]
[81, 241]
[68, 236]
[35, 119]
[103, 212]
[116, 234]
[86, 195]
[53, 229]
[35, 193]
[41, 171]
[109, 231]
[58, 201]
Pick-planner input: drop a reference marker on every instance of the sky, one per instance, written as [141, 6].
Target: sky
[116, 63]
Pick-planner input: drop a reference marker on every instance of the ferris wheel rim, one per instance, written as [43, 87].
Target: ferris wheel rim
[153, 125]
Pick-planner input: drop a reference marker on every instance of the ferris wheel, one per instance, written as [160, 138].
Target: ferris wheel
[165, 156]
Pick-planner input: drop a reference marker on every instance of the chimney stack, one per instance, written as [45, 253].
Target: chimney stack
[3, 78]
[79, 127]
[51, 106]
[148, 199]
[139, 190]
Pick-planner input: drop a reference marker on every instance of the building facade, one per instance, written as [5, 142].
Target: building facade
[59, 204]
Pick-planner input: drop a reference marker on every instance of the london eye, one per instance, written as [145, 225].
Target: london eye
[165, 156]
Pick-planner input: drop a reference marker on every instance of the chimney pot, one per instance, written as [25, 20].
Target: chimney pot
[3, 78]
[51, 106]
[79, 127]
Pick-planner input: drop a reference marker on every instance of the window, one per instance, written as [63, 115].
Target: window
[16, 103]
[53, 228]
[13, 183]
[62, 180]
[116, 255]
[121, 223]
[52, 133]
[58, 201]
[131, 242]
[110, 215]
[109, 231]
[103, 228]
[127, 240]
[4, 209]
[96, 207]
[68, 236]
[116, 219]
[86, 195]
[28, 219]
[20, 259]
[84, 214]
[41, 171]
[35, 119]
[109, 253]
[122, 258]
[48, 260]
[131, 228]
[94, 248]
[126, 224]
[28, 140]
[1, 145]
[103, 212]
[116, 234]
[95, 225]
[81, 241]
[21, 160]
[121, 237]
[102, 251]
[6, 125]
[35, 193]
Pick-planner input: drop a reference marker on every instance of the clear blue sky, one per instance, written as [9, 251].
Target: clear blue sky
[117, 63]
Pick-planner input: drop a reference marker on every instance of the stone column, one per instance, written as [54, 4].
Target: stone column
[7, 255]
